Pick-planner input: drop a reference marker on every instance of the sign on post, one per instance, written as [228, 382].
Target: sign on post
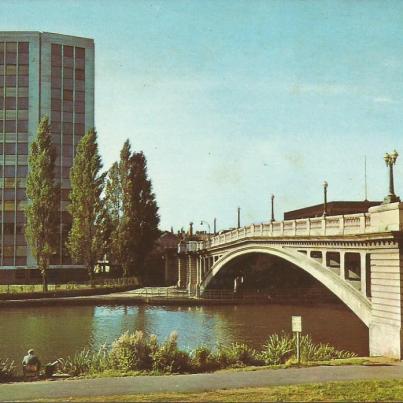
[296, 325]
[296, 322]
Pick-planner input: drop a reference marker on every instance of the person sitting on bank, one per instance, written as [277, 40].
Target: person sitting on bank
[31, 364]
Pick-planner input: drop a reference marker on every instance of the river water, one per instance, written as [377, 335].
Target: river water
[61, 331]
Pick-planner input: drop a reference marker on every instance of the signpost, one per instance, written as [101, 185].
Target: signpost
[296, 324]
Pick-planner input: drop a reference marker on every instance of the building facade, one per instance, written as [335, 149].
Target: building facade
[40, 74]
[332, 208]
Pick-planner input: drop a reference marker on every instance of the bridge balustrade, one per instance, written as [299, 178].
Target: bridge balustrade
[320, 226]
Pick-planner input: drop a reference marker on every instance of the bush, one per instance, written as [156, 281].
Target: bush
[236, 355]
[203, 359]
[168, 358]
[131, 352]
[280, 348]
[320, 352]
[7, 370]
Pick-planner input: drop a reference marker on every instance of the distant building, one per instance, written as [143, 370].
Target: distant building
[40, 74]
[162, 264]
[333, 208]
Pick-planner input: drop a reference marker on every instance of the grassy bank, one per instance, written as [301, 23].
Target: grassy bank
[137, 354]
[35, 291]
[134, 354]
[359, 391]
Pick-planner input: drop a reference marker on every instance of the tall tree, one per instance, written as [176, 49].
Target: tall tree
[42, 212]
[133, 211]
[114, 214]
[144, 212]
[87, 235]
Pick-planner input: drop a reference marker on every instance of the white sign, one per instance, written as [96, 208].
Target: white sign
[296, 323]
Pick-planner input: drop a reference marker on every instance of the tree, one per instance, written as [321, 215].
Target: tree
[86, 239]
[42, 212]
[114, 214]
[143, 214]
[132, 210]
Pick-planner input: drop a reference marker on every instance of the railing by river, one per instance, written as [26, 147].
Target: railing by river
[306, 227]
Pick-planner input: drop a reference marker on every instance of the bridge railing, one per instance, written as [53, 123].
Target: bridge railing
[307, 227]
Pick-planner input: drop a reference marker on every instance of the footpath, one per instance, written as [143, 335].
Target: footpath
[195, 382]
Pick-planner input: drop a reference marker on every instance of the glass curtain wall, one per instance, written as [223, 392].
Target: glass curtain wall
[14, 82]
[67, 125]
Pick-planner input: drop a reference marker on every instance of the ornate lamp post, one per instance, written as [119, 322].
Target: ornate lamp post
[272, 208]
[390, 160]
[325, 185]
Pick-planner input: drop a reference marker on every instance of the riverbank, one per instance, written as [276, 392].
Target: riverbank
[210, 384]
[137, 296]
[98, 287]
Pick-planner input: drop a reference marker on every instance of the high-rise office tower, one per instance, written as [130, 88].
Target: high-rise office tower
[40, 74]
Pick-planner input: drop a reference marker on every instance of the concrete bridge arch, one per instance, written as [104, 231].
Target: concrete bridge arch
[351, 297]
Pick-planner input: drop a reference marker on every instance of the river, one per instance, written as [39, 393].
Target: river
[61, 331]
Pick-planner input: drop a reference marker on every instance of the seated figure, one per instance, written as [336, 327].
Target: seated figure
[31, 364]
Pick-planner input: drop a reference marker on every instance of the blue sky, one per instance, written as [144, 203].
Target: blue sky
[234, 100]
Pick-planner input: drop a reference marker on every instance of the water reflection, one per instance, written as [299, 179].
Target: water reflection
[61, 331]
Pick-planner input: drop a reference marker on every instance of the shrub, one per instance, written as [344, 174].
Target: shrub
[278, 349]
[320, 352]
[203, 359]
[235, 355]
[7, 370]
[131, 352]
[168, 357]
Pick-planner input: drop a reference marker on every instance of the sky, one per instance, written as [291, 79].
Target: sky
[232, 101]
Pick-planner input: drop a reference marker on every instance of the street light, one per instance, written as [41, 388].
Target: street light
[325, 185]
[272, 208]
[390, 160]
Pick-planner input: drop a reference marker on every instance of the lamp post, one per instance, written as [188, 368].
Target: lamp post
[272, 208]
[239, 217]
[325, 185]
[390, 160]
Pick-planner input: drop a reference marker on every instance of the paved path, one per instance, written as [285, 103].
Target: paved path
[193, 383]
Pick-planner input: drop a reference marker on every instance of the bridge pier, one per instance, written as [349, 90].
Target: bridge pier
[192, 273]
[363, 273]
[385, 329]
[343, 265]
[182, 270]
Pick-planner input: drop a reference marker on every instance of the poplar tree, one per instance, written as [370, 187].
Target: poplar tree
[114, 213]
[87, 235]
[42, 212]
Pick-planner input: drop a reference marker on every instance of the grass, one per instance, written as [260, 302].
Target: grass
[391, 390]
[365, 361]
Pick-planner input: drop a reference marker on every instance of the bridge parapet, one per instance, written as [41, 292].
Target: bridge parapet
[320, 226]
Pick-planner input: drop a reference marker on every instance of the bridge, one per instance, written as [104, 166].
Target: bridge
[358, 257]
